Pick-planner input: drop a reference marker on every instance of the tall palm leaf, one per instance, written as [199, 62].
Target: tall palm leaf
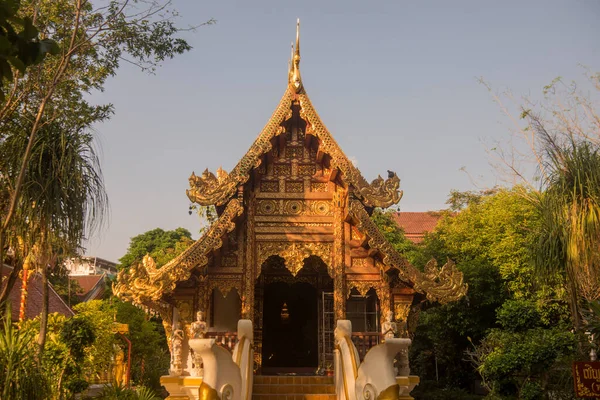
[64, 198]
[569, 208]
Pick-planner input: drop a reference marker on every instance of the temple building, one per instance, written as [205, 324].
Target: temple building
[293, 250]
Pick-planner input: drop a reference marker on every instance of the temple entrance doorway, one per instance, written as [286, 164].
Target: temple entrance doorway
[289, 315]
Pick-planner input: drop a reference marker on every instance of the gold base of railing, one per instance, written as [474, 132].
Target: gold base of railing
[408, 381]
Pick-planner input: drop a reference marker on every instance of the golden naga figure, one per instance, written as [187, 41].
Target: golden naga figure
[138, 283]
[209, 189]
[382, 193]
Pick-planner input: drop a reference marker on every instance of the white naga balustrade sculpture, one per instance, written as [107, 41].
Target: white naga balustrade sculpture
[226, 376]
[374, 378]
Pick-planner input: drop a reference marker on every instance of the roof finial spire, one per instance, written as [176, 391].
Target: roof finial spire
[297, 50]
[296, 80]
[291, 63]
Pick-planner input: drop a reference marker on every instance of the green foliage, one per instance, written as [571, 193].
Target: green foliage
[488, 236]
[430, 390]
[46, 118]
[523, 364]
[162, 245]
[568, 237]
[82, 348]
[395, 235]
[119, 392]
[443, 333]
[21, 376]
[20, 46]
[63, 185]
[78, 333]
[458, 200]
[591, 317]
[518, 315]
[145, 393]
[98, 356]
[150, 354]
[496, 231]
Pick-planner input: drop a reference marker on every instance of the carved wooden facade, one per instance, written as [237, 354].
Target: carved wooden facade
[294, 194]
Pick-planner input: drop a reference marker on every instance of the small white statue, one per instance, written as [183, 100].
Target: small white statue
[198, 330]
[199, 327]
[389, 328]
[177, 350]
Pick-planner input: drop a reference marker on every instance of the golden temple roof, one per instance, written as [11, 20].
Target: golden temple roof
[146, 284]
[209, 189]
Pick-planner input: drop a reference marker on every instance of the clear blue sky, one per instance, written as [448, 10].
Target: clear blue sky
[395, 82]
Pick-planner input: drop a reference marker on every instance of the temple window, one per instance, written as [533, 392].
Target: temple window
[363, 311]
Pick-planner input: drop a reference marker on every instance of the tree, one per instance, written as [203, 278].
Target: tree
[162, 245]
[20, 46]
[561, 139]
[525, 357]
[98, 356]
[52, 98]
[150, 355]
[569, 208]
[488, 236]
[395, 235]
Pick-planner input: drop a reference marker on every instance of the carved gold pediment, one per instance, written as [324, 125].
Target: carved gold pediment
[444, 285]
[362, 286]
[224, 286]
[144, 282]
[294, 253]
[211, 189]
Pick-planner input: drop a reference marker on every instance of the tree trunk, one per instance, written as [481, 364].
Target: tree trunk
[573, 294]
[44, 315]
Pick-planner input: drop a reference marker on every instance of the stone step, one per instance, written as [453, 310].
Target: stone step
[293, 388]
[293, 380]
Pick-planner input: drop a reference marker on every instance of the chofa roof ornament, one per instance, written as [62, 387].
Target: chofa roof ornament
[294, 76]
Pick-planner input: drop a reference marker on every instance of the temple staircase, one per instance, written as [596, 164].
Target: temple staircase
[293, 388]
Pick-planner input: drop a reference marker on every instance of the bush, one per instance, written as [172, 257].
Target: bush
[120, 392]
[21, 377]
[518, 315]
[429, 390]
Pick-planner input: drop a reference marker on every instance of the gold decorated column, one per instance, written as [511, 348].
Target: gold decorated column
[339, 281]
[249, 267]
[383, 294]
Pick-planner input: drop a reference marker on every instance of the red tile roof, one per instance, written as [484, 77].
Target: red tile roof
[416, 224]
[87, 282]
[34, 298]
[92, 285]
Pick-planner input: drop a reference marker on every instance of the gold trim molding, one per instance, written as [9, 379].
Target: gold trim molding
[444, 285]
[145, 283]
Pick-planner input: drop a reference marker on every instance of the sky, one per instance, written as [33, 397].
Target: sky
[395, 82]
